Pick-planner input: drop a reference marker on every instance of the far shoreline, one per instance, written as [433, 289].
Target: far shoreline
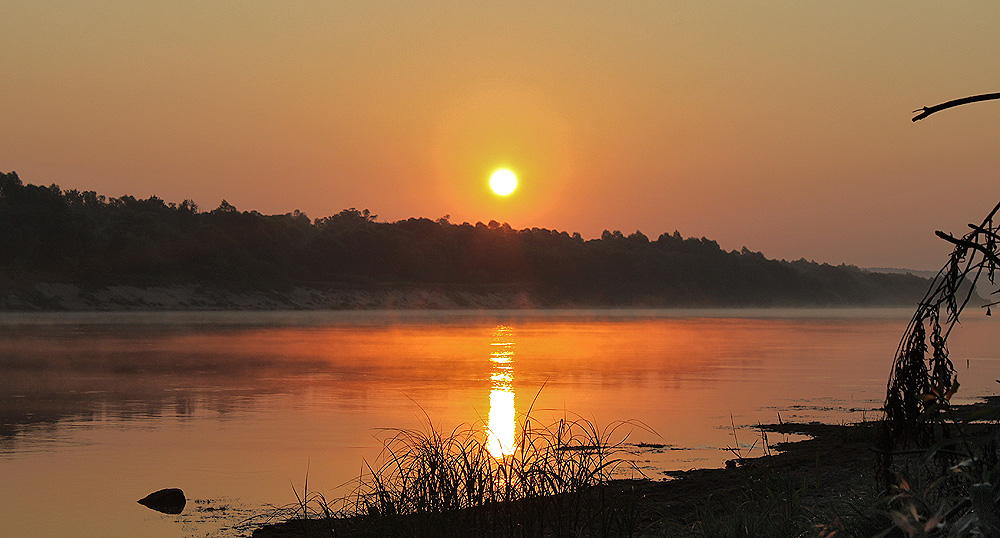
[73, 297]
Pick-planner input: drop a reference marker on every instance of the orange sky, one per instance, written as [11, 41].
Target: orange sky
[781, 126]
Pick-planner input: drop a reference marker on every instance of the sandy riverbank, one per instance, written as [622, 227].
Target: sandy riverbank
[72, 297]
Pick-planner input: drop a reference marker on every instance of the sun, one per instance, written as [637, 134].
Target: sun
[503, 182]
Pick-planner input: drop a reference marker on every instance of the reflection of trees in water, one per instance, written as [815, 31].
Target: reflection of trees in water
[101, 374]
[41, 399]
[94, 372]
[48, 377]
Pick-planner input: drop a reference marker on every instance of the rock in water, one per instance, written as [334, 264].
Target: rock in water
[168, 501]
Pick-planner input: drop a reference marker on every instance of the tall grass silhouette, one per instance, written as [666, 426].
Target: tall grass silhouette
[430, 482]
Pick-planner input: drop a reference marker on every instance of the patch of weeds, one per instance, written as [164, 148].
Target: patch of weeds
[429, 483]
[860, 432]
[949, 489]
[768, 504]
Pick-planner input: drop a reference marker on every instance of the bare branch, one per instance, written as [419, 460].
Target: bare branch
[969, 244]
[989, 233]
[927, 111]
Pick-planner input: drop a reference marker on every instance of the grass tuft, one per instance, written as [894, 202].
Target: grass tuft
[446, 483]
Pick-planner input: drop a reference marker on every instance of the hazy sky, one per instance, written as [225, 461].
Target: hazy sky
[781, 126]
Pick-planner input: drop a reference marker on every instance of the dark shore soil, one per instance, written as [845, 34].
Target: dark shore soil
[834, 462]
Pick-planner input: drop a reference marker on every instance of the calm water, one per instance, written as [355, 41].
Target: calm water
[98, 410]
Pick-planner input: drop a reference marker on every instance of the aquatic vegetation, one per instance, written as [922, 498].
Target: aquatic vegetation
[428, 480]
[438, 483]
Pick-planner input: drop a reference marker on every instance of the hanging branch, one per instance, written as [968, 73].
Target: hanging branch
[928, 110]
[920, 384]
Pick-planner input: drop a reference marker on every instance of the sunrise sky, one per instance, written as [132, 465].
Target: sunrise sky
[781, 126]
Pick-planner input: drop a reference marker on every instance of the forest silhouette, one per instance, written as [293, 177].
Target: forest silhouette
[81, 237]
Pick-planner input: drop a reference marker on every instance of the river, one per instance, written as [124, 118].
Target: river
[239, 408]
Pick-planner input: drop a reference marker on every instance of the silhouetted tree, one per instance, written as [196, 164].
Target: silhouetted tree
[51, 235]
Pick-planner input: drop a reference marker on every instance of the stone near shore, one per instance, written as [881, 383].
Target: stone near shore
[168, 501]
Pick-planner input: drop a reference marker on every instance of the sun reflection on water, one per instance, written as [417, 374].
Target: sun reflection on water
[502, 425]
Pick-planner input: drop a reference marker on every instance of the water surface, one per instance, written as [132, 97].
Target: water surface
[97, 410]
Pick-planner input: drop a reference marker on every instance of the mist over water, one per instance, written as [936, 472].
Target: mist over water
[97, 411]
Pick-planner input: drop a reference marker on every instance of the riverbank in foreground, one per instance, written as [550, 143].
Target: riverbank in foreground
[823, 486]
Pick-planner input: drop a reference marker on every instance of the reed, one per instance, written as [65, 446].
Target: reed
[438, 483]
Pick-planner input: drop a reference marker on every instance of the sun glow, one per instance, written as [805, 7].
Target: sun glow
[503, 182]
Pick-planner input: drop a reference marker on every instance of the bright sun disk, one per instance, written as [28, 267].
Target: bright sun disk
[503, 182]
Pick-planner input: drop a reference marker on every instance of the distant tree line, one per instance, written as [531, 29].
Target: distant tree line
[51, 235]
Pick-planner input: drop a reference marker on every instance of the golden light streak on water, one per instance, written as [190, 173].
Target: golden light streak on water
[502, 425]
[501, 430]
